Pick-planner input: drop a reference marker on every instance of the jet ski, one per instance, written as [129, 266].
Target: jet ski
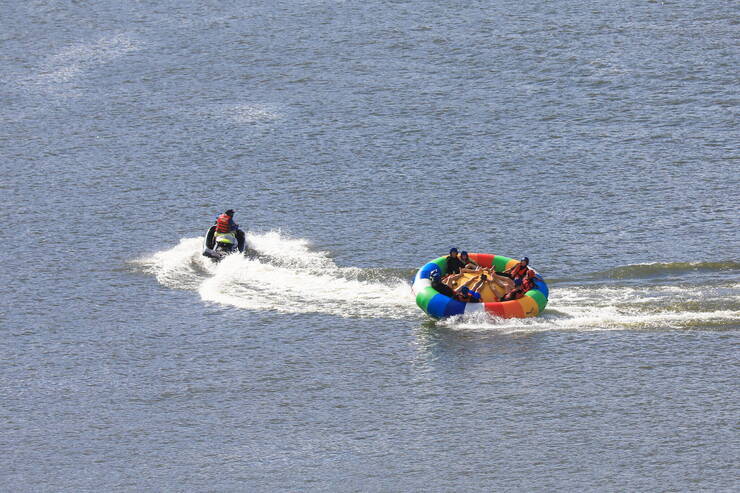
[216, 247]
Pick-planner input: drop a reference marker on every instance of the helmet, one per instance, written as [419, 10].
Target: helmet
[463, 253]
[465, 290]
[525, 259]
[453, 250]
[230, 212]
[434, 274]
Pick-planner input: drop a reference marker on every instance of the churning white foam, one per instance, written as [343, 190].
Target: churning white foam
[287, 276]
[620, 308]
[179, 267]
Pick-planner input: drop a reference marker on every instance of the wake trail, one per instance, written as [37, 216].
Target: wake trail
[287, 277]
[659, 296]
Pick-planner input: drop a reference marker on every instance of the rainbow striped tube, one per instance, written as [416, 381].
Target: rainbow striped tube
[440, 306]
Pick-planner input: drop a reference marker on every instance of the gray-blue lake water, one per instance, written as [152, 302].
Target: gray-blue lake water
[358, 140]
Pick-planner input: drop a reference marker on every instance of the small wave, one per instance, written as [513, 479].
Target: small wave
[594, 321]
[662, 269]
[239, 113]
[246, 113]
[56, 71]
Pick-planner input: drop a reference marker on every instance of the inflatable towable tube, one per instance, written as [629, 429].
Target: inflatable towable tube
[438, 305]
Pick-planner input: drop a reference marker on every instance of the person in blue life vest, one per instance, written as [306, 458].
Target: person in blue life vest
[466, 295]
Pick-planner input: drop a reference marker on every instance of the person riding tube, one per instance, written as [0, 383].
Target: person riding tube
[468, 263]
[521, 286]
[519, 270]
[466, 295]
[436, 277]
[454, 264]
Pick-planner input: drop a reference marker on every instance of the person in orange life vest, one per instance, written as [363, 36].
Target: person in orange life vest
[519, 270]
[225, 223]
[515, 293]
[521, 286]
[528, 281]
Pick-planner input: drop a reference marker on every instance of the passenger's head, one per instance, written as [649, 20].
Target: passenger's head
[517, 282]
[465, 290]
[525, 260]
[464, 255]
[230, 212]
[453, 251]
[434, 275]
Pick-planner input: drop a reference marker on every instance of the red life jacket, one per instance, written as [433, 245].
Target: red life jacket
[515, 294]
[222, 224]
[518, 271]
[527, 284]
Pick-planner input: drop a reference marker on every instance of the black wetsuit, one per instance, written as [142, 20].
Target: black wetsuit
[443, 288]
[454, 264]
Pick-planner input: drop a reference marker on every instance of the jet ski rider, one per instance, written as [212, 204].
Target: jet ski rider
[225, 225]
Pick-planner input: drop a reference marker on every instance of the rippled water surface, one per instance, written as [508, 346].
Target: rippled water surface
[357, 141]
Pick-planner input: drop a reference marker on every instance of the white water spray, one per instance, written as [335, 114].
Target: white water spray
[287, 276]
[592, 308]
